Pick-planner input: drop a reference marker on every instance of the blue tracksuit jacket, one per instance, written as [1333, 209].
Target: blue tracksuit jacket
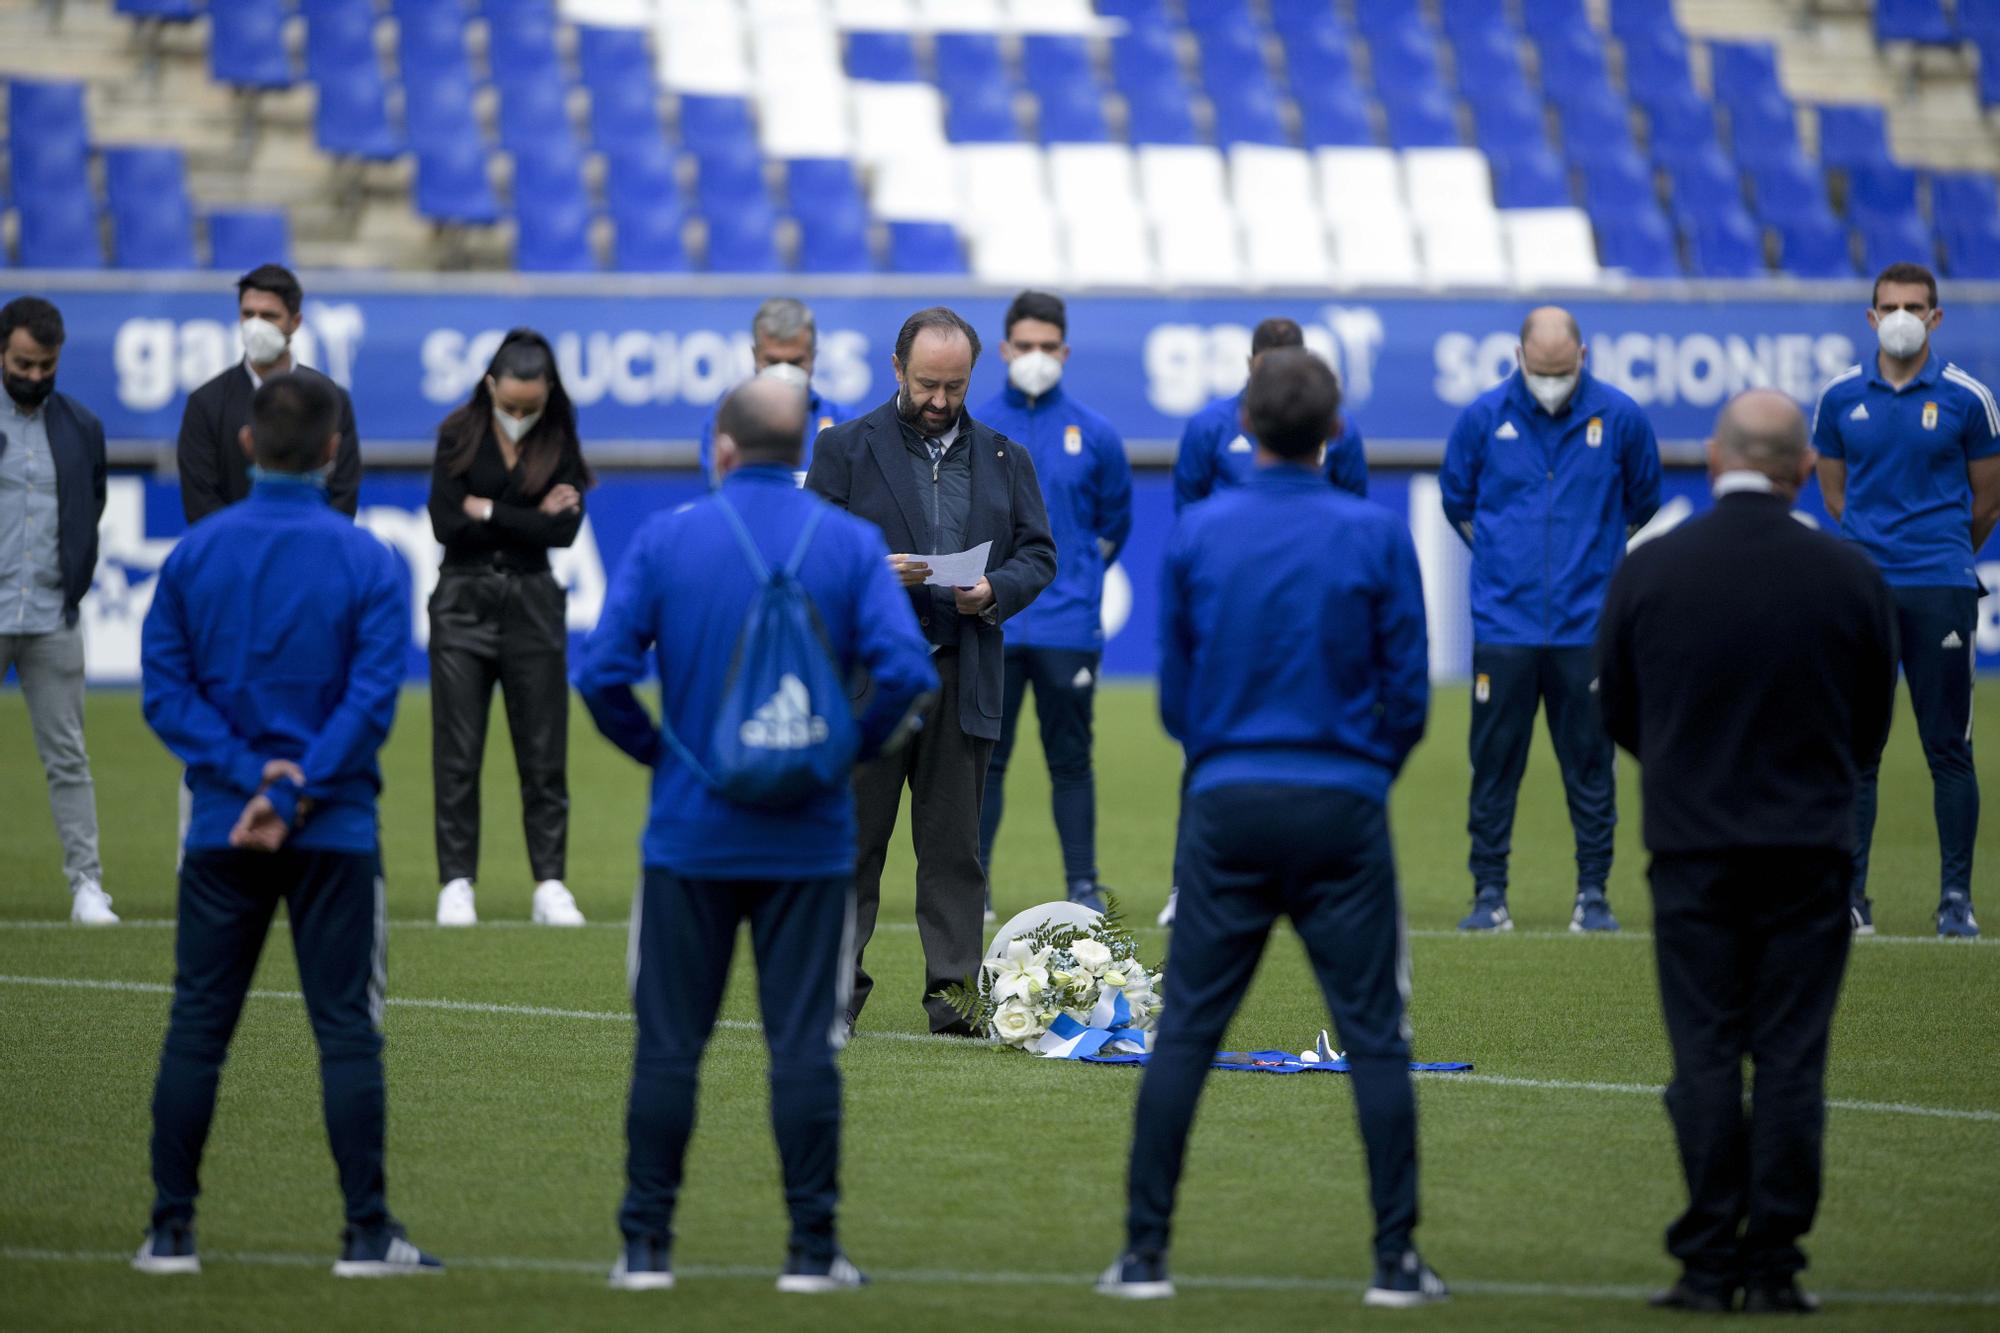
[1215, 454]
[278, 631]
[1292, 644]
[1087, 485]
[821, 413]
[677, 605]
[1546, 504]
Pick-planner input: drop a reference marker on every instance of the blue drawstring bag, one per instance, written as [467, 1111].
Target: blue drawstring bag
[784, 730]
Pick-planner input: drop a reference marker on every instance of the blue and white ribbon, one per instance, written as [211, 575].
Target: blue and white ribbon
[1109, 1032]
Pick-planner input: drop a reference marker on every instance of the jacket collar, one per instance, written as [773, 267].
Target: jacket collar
[1582, 403]
[288, 490]
[755, 474]
[1928, 376]
[1020, 402]
[1287, 477]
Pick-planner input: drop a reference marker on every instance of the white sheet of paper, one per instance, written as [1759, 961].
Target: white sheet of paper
[960, 570]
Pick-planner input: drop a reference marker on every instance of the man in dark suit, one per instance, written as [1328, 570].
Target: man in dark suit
[936, 481]
[1749, 663]
[214, 464]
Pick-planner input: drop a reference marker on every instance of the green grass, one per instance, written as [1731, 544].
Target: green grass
[506, 1130]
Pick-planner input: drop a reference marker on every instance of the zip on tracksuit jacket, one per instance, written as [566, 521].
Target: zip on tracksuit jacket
[1216, 454]
[677, 605]
[1293, 649]
[1087, 486]
[278, 630]
[1546, 503]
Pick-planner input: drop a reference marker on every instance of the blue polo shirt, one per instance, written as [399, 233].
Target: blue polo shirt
[820, 414]
[1909, 503]
[1216, 455]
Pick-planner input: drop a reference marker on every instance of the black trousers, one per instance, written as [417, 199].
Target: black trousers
[945, 770]
[491, 627]
[683, 934]
[1322, 857]
[227, 899]
[1751, 947]
[1065, 681]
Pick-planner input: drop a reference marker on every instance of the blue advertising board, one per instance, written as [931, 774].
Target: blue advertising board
[143, 519]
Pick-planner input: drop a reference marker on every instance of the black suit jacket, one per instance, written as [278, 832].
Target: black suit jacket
[864, 467]
[76, 442]
[1750, 663]
[214, 472]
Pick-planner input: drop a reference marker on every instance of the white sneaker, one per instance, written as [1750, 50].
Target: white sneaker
[1166, 916]
[455, 904]
[90, 905]
[555, 906]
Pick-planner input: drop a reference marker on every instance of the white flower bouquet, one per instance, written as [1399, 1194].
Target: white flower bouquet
[1089, 975]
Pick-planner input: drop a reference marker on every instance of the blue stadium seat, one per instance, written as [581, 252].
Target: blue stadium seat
[716, 124]
[1703, 184]
[48, 166]
[1228, 55]
[1545, 17]
[823, 183]
[246, 44]
[552, 170]
[883, 57]
[1488, 59]
[166, 11]
[1142, 61]
[743, 241]
[1380, 20]
[552, 234]
[1743, 71]
[1889, 241]
[153, 239]
[1787, 192]
[1596, 128]
[1725, 243]
[1053, 63]
[1504, 125]
[1964, 198]
[1212, 14]
[1530, 177]
[1147, 13]
[1881, 193]
[1853, 136]
[1319, 54]
[1676, 132]
[1634, 18]
[438, 111]
[925, 247]
[352, 116]
[1335, 116]
[981, 113]
[452, 184]
[1573, 58]
[1405, 58]
[835, 241]
[430, 39]
[1764, 129]
[46, 113]
[1072, 115]
[521, 46]
[649, 243]
[1988, 46]
[1657, 67]
[1615, 184]
[607, 57]
[1250, 117]
[624, 112]
[1979, 18]
[1921, 21]
[60, 231]
[1296, 18]
[731, 181]
[239, 239]
[534, 113]
[138, 178]
[1638, 240]
[340, 37]
[969, 56]
[1421, 120]
[1155, 118]
[1972, 250]
[1465, 17]
[1814, 247]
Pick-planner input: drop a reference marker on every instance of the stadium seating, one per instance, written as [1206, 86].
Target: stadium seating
[240, 239]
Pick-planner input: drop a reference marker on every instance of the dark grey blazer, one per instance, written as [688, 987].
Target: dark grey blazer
[864, 467]
[214, 471]
[76, 441]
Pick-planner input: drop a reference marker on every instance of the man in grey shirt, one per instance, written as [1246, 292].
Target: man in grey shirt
[51, 498]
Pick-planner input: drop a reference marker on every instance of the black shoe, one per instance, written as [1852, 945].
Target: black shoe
[1684, 1295]
[847, 1024]
[959, 1028]
[1785, 1298]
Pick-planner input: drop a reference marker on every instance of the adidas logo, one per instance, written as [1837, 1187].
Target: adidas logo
[785, 721]
[1240, 445]
[1083, 678]
[1860, 412]
[1952, 640]
[1506, 432]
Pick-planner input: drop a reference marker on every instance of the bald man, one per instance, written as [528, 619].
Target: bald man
[1754, 706]
[1545, 477]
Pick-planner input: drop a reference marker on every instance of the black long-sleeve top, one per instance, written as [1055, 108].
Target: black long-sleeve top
[519, 535]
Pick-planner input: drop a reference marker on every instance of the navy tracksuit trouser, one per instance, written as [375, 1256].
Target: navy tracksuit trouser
[227, 899]
[683, 934]
[1322, 857]
[1508, 682]
[1936, 628]
[1065, 681]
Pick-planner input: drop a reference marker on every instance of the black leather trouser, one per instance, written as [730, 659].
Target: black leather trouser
[491, 626]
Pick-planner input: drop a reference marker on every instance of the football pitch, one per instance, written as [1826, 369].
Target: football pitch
[981, 1187]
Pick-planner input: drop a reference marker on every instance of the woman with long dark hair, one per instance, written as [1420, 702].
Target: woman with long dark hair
[507, 485]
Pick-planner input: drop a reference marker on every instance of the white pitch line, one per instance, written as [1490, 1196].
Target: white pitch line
[950, 1277]
[740, 1025]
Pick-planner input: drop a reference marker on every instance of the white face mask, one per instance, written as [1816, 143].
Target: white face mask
[1034, 373]
[784, 372]
[514, 428]
[263, 341]
[1552, 391]
[1902, 334]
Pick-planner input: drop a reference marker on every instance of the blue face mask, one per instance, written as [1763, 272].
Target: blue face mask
[317, 477]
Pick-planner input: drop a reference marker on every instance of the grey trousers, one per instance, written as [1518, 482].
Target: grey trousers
[946, 773]
[51, 670]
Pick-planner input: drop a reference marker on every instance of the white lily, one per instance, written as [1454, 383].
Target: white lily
[1022, 973]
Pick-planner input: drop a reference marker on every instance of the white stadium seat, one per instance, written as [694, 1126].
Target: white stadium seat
[702, 53]
[811, 122]
[1550, 247]
[1198, 249]
[1465, 250]
[1174, 180]
[1060, 16]
[1376, 251]
[998, 178]
[1019, 249]
[1264, 180]
[960, 15]
[875, 15]
[608, 13]
[1110, 249]
[1359, 182]
[1445, 183]
[1092, 178]
[1286, 250]
[898, 120]
[913, 189]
